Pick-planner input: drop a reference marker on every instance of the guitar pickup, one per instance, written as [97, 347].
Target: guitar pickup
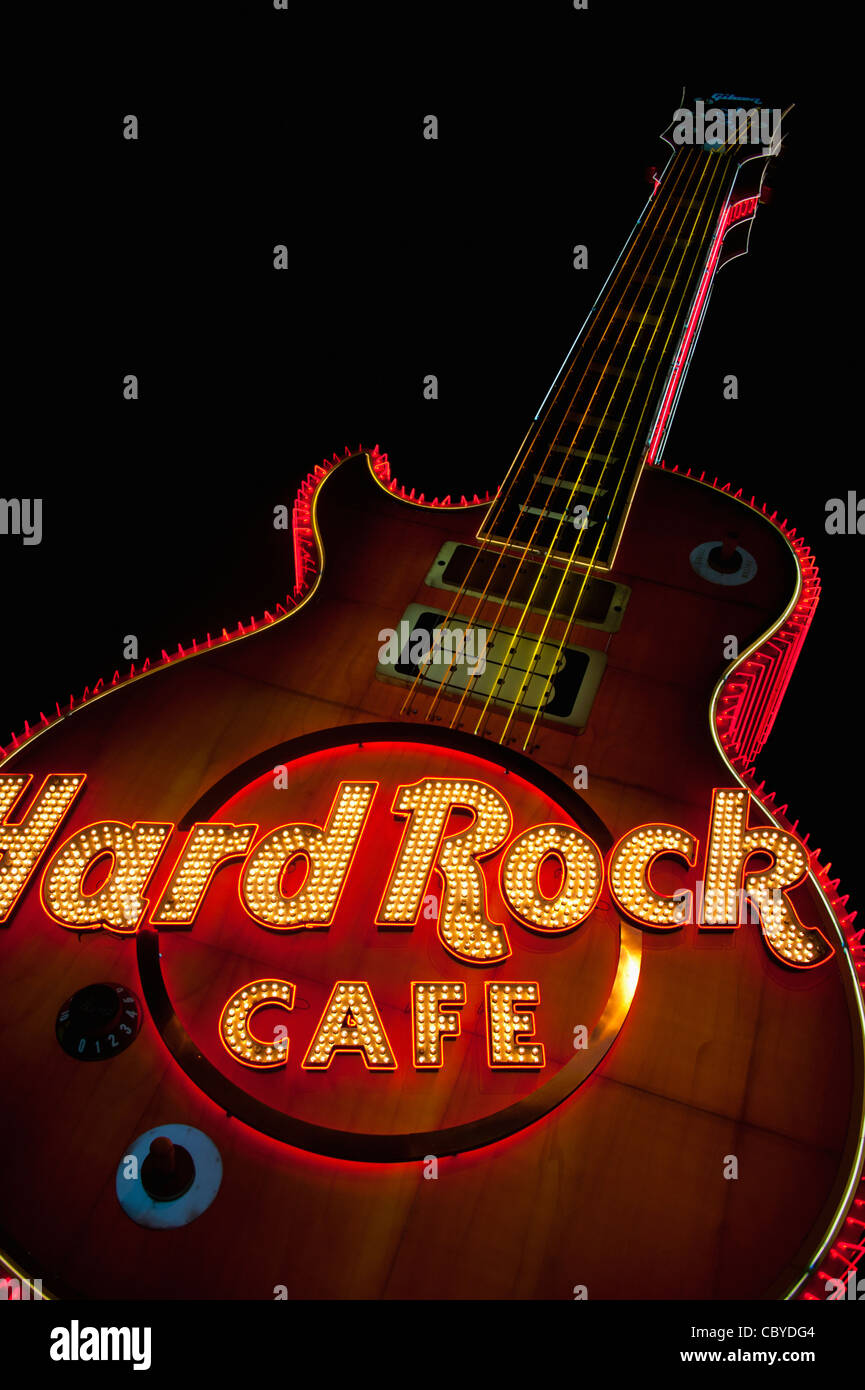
[587, 601]
[506, 667]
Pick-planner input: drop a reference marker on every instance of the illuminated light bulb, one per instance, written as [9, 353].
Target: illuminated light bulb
[463, 926]
[510, 1034]
[437, 1011]
[368, 1039]
[328, 853]
[238, 1015]
[780, 925]
[22, 843]
[202, 855]
[120, 904]
[630, 870]
[581, 884]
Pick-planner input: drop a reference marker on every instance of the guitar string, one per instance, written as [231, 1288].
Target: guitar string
[697, 174]
[707, 198]
[664, 202]
[498, 677]
[486, 544]
[667, 207]
[468, 689]
[571, 619]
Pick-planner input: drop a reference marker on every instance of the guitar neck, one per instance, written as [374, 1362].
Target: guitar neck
[569, 489]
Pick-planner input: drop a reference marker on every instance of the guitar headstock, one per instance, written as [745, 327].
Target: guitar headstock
[751, 125]
[747, 129]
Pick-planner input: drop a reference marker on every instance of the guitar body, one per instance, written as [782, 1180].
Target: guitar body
[626, 1185]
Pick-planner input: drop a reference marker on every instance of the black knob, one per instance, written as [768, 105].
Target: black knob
[168, 1170]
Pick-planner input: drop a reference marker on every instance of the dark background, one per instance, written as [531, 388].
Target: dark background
[408, 257]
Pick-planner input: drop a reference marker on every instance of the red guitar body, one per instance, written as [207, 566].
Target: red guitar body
[624, 1187]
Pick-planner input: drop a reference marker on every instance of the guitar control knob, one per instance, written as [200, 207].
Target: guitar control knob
[723, 561]
[168, 1170]
[98, 1022]
[726, 558]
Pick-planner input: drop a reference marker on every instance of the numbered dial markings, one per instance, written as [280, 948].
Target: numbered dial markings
[98, 1022]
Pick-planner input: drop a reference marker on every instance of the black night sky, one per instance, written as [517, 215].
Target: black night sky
[408, 257]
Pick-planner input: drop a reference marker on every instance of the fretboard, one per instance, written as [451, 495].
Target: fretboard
[569, 490]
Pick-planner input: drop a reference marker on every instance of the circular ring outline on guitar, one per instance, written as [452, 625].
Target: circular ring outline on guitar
[358, 1146]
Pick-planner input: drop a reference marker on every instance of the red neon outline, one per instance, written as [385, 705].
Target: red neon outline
[169, 922]
[308, 557]
[167, 825]
[533, 926]
[5, 918]
[101, 854]
[647, 875]
[287, 1004]
[487, 854]
[847, 1250]
[305, 825]
[756, 686]
[448, 1007]
[744, 208]
[325, 1066]
[735, 705]
[518, 1039]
